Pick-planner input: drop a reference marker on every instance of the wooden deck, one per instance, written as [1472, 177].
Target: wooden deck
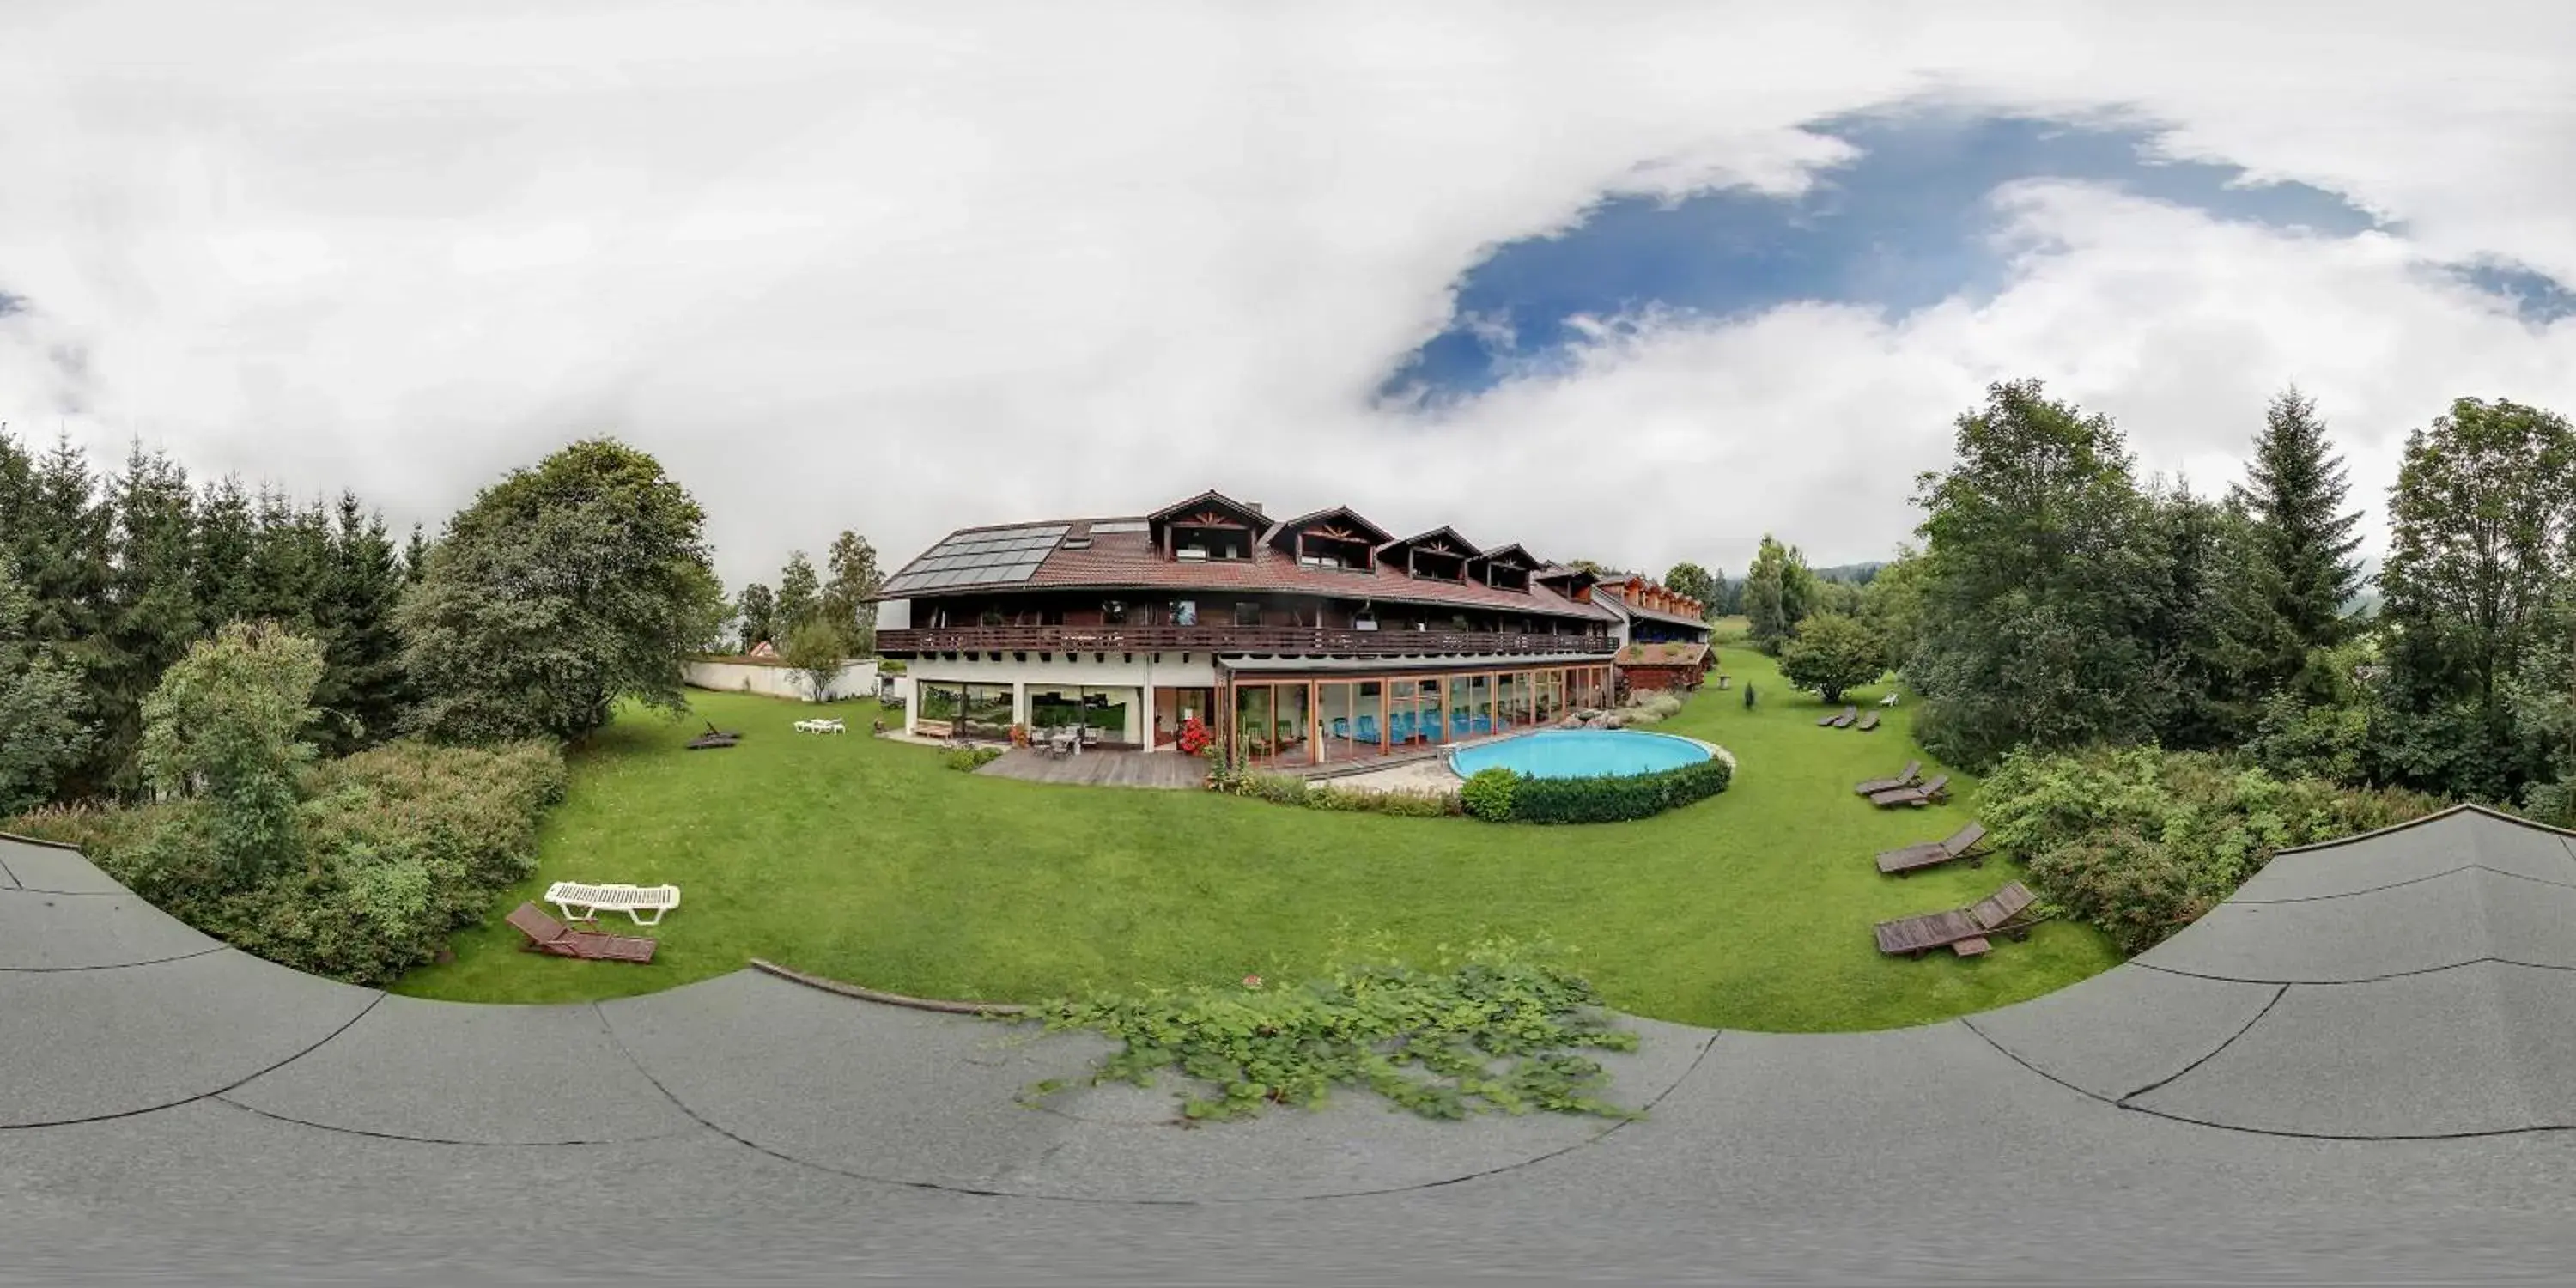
[1165, 769]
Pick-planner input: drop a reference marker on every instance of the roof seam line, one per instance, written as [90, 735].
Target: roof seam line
[2395, 885]
[2366, 979]
[157, 961]
[2248, 1027]
[217, 1093]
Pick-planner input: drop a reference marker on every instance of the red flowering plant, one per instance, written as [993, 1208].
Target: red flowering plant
[1194, 737]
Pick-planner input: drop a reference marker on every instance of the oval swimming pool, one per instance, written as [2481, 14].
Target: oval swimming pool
[1581, 753]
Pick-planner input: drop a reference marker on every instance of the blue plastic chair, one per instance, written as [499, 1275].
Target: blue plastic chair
[1341, 727]
[1368, 729]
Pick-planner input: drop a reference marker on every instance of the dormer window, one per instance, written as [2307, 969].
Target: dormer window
[1209, 527]
[1438, 555]
[1334, 539]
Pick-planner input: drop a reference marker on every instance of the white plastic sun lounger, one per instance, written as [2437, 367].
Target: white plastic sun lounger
[820, 726]
[633, 900]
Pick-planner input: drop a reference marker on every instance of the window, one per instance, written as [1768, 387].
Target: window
[1247, 614]
[1113, 612]
[1185, 612]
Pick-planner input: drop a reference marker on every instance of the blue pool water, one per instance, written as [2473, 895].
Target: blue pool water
[1581, 753]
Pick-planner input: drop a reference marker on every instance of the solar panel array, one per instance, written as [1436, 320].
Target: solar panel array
[992, 557]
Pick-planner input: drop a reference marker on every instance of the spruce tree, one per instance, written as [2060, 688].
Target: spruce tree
[154, 614]
[2294, 492]
[361, 690]
[226, 532]
[415, 556]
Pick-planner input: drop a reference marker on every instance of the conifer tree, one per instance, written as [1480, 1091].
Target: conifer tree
[2294, 492]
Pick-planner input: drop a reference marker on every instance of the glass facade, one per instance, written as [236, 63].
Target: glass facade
[1291, 721]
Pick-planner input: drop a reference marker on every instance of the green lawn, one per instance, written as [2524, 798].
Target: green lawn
[869, 861]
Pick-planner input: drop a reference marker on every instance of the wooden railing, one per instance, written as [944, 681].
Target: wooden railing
[1289, 640]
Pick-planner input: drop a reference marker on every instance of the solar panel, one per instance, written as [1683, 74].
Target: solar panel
[991, 557]
[1122, 525]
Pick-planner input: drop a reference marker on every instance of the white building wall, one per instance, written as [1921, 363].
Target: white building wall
[857, 679]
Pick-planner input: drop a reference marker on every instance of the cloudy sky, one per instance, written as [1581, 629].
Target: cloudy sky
[1633, 282]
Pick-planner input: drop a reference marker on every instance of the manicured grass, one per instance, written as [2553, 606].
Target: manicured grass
[869, 861]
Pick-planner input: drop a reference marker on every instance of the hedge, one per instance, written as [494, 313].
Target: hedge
[1501, 796]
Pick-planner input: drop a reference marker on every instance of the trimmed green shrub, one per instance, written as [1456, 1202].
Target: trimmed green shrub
[2122, 882]
[397, 847]
[967, 760]
[1488, 794]
[1609, 798]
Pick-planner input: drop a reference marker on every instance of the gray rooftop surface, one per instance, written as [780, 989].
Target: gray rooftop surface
[227, 1120]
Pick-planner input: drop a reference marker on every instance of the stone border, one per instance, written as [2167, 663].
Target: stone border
[50, 845]
[888, 999]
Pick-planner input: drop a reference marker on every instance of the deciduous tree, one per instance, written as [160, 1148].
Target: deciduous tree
[2045, 576]
[1831, 654]
[561, 590]
[228, 722]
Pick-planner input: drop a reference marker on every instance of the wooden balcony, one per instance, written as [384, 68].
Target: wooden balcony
[1264, 641]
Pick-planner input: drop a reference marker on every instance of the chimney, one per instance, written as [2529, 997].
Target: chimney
[1255, 507]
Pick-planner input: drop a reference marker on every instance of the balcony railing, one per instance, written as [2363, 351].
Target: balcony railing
[1268, 640]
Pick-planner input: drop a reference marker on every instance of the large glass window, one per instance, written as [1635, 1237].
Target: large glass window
[987, 711]
[940, 703]
[1247, 614]
[1113, 612]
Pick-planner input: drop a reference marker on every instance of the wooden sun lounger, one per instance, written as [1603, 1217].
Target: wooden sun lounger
[547, 935]
[1964, 931]
[714, 737]
[1917, 796]
[1967, 843]
[1913, 770]
[1867, 722]
[1842, 719]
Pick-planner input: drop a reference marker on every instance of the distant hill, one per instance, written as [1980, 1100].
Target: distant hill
[1858, 574]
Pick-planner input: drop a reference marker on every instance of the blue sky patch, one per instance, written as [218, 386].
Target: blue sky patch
[1901, 226]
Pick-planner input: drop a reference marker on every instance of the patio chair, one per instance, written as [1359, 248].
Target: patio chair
[1967, 843]
[1904, 778]
[1964, 931]
[633, 900]
[1342, 727]
[1844, 721]
[1917, 796]
[1867, 722]
[1368, 729]
[553, 938]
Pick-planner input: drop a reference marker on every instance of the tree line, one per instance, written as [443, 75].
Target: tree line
[2057, 601]
[557, 593]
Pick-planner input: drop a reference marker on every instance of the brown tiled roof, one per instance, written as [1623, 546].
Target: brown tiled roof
[1129, 561]
[1124, 560]
[1667, 653]
[1653, 614]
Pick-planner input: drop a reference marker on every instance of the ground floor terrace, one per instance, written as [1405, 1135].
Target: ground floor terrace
[1275, 713]
[1298, 716]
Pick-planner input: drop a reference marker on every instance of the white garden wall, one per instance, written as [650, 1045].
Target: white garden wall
[858, 679]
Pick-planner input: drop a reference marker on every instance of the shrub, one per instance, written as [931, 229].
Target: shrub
[1612, 798]
[2122, 882]
[398, 846]
[1428, 1040]
[2195, 824]
[1401, 804]
[1488, 794]
[969, 759]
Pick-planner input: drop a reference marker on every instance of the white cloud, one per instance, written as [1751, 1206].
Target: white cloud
[900, 268]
